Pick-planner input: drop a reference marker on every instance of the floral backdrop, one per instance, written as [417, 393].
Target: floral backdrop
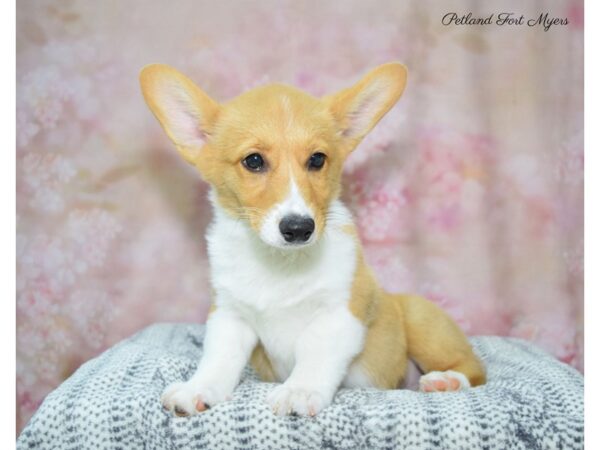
[470, 191]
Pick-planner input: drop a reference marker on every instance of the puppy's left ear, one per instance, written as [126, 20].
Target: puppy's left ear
[186, 113]
[358, 108]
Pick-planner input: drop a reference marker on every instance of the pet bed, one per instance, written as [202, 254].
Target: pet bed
[531, 401]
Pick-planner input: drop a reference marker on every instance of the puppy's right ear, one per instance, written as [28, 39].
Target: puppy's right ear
[185, 112]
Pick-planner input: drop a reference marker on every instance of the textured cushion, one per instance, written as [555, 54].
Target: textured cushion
[531, 401]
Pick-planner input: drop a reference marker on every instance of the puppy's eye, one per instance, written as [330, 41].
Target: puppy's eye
[254, 163]
[316, 161]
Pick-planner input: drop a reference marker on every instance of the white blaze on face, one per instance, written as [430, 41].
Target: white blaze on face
[288, 114]
[293, 204]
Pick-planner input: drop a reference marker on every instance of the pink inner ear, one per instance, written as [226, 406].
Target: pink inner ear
[358, 118]
[184, 119]
[365, 109]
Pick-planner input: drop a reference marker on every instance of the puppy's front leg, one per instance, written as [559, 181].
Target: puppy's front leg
[323, 353]
[228, 344]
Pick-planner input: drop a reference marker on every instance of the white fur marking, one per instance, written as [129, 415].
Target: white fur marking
[323, 352]
[287, 112]
[293, 204]
[295, 302]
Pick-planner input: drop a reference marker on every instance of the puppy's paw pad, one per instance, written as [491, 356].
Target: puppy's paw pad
[296, 400]
[186, 399]
[443, 381]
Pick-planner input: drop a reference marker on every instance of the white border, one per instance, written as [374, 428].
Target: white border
[7, 312]
[592, 223]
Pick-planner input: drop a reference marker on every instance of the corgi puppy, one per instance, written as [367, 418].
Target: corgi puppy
[291, 290]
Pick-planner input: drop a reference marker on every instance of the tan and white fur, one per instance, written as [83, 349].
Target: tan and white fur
[292, 292]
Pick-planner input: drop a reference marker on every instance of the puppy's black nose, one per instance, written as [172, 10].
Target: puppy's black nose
[296, 228]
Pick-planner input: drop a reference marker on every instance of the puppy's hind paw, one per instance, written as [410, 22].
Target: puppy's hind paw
[443, 381]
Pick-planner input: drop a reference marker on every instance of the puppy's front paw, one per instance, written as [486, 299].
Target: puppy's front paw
[189, 398]
[443, 381]
[285, 399]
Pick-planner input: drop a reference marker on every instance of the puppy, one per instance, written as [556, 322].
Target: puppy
[292, 292]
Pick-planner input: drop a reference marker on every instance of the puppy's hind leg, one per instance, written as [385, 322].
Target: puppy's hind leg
[439, 347]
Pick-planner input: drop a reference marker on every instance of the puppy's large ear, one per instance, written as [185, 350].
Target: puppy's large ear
[185, 112]
[358, 108]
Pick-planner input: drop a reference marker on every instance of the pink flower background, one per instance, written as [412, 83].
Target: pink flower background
[470, 191]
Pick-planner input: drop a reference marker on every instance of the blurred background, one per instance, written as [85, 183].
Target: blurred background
[469, 192]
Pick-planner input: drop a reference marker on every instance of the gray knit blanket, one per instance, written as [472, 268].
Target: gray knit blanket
[531, 401]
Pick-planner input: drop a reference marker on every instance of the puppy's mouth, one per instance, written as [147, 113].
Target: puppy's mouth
[292, 246]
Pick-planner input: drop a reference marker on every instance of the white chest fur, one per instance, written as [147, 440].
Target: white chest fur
[278, 292]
